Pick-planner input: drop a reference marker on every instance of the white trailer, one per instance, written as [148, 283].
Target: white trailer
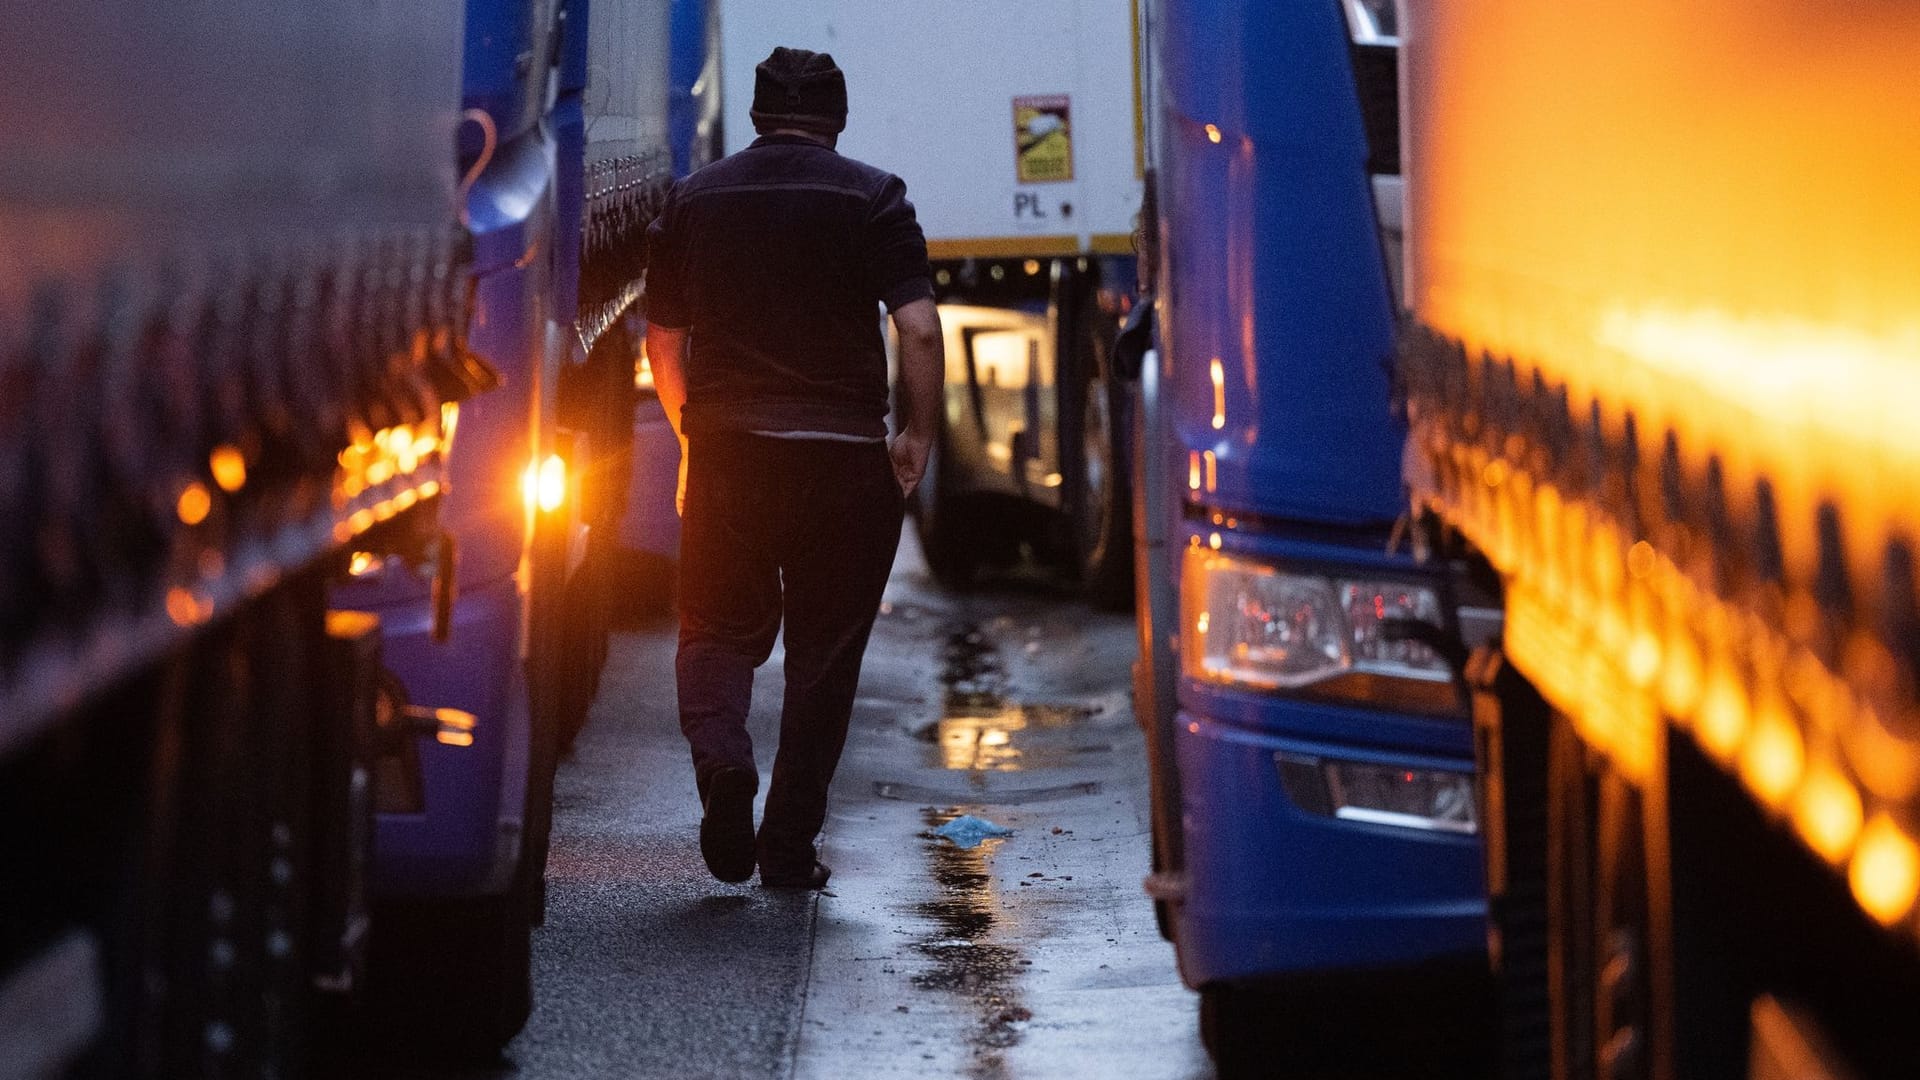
[1015, 123]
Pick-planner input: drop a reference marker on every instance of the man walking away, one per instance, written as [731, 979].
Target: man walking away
[772, 263]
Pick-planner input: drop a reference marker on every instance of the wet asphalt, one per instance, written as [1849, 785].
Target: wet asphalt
[1032, 955]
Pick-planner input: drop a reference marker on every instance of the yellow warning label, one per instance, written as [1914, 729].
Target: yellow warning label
[1043, 138]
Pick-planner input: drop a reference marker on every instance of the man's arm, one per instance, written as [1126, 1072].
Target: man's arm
[667, 355]
[923, 371]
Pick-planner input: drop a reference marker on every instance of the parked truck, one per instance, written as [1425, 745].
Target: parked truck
[288, 665]
[1317, 859]
[564, 148]
[1662, 382]
[1015, 128]
[233, 324]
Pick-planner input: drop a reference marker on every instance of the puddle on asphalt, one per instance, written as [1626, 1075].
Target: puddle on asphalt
[1006, 737]
[980, 730]
[966, 961]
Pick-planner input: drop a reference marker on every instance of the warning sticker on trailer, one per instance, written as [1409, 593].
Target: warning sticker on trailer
[1043, 138]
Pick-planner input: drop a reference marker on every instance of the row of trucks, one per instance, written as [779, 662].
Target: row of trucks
[1492, 412]
[318, 344]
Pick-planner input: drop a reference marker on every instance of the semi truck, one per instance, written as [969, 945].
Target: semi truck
[1317, 853]
[290, 665]
[1660, 380]
[1015, 128]
[563, 147]
[233, 322]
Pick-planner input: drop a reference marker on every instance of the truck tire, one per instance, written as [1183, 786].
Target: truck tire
[554, 687]
[1100, 507]
[586, 627]
[451, 980]
[1237, 1030]
[947, 539]
[1352, 1025]
[1096, 429]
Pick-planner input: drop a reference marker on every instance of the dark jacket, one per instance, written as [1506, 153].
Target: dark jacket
[776, 258]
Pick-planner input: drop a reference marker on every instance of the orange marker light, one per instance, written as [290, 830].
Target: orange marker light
[194, 504]
[1773, 759]
[229, 468]
[1885, 873]
[1827, 814]
[544, 486]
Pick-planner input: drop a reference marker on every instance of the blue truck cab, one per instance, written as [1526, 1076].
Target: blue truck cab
[1314, 762]
[464, 806]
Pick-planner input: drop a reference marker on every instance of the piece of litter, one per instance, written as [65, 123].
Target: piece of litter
[967, 831]
[1057, 830]
[1036, 873]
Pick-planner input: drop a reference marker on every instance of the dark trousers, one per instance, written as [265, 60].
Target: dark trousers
[781, 530]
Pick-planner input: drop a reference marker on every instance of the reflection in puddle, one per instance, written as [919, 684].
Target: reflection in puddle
[966, 961]
[981, 731]
[991, 737]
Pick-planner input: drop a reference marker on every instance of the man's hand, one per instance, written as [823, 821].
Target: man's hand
[923, 367]
[909, 452]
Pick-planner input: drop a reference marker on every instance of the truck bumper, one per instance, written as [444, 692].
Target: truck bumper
[1272, 889]
[466, 841]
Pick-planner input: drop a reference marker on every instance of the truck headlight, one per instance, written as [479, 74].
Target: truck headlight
[1257, 625]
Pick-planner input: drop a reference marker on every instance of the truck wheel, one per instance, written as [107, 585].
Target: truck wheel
[946, 539]
[1100, 507]
[1349, 1026]
[641, 585]
[1231, 1028]
[1096, 427]
[552, 689]
[587, 628]
[451, 980]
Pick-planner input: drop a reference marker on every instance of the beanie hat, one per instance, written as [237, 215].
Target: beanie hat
[799, 88]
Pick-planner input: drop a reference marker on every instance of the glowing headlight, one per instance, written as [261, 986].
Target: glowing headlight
[1254, 624]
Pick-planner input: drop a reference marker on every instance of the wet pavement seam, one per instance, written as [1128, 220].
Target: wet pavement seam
[798, 1039]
